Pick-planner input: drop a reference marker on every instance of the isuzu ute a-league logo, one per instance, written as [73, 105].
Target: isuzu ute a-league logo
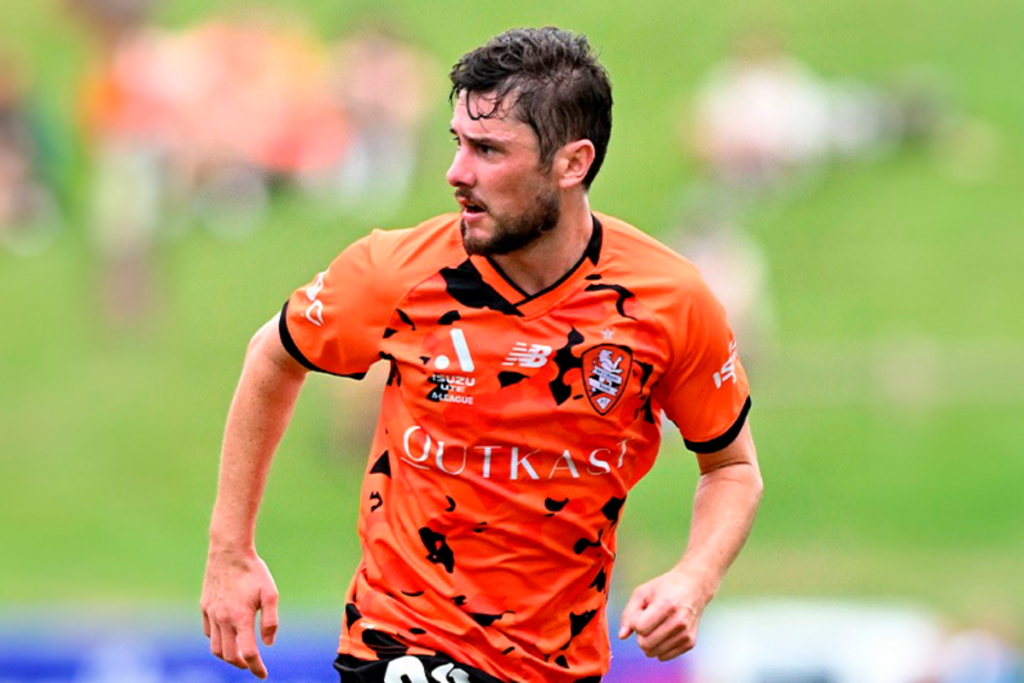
[606, 369]
[451, 386]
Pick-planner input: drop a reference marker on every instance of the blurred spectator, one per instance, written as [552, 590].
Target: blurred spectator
[196, 125]
[124, 124]
[760, 121]
[736, 270]
[252, 95]
[761, 116]
[382, 82]
[29, 217]
[762, 126]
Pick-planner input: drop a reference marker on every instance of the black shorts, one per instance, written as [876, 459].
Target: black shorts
[409, 669]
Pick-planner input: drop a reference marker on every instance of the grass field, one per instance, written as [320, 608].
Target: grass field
[109, 441]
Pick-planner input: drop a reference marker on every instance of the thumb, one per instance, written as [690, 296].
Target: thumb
[636, 603]
[268, 617]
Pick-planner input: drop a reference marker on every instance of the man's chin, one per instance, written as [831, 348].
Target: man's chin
[475, 243]
[501, 239]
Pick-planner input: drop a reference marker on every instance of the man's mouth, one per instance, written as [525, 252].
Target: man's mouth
[469, 206]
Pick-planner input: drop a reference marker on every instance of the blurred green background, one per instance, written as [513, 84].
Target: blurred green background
[888, 417]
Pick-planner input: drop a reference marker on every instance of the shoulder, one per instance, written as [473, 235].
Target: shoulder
[384, 265]
[663, 281]
[401, 258]
[336, 323]
[436, 241]
[632, 254]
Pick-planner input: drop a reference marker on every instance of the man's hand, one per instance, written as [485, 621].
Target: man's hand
[236, 586]
[665, 614]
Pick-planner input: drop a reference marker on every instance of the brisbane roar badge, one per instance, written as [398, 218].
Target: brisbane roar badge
[606, 370]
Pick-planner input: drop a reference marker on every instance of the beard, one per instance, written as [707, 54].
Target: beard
[517, 232]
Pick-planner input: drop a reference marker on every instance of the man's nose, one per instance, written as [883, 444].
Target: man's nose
[459, 173]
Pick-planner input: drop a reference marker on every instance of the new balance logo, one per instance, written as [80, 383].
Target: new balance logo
[728, 371]
[532, 356]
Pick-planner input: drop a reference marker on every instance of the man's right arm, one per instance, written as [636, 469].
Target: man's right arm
[237, 583]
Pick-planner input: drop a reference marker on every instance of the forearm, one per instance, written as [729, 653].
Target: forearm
[260, 411]
[724, 508]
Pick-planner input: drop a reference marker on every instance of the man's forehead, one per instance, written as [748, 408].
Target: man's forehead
[492, 105]
[488, 114]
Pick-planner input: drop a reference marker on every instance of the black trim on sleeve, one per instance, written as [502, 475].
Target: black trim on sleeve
[289, 343]
[718, 443]
[293, 349]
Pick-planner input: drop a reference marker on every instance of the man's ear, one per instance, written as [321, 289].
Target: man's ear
[573, 161]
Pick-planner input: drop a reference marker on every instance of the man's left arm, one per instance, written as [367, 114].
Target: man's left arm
[665, 612]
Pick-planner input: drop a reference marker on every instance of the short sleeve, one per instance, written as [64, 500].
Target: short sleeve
[705, 390]
[335, 324]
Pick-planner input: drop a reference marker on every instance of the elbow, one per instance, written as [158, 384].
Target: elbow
[748, 474]
[757, 485]
[267, 350]
[263, 335]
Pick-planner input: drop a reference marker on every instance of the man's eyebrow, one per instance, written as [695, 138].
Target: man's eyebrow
[481, 140]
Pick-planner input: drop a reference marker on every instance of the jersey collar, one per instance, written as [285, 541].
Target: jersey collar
[530, 305]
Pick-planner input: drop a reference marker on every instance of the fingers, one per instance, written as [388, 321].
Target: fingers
[215, 646]
[249, 653]
[229, 647]
[637, 601]
[255, 664]
[651, 617]
[236, 645]
[206, 624]
[664, 628]
[674, 633]
[238, 648]
[668, 642]
[268, 617]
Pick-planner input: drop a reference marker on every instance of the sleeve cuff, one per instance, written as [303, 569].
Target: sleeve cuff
[289, 342]
[720, 442]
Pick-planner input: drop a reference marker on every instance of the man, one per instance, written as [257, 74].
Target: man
[532, 345]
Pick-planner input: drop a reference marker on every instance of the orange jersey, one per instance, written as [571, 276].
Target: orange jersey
[512, 429]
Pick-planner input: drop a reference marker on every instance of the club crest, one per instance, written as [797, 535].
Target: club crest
[606, 370]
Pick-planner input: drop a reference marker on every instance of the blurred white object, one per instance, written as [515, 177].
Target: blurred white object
[817, 642]
[759, 118]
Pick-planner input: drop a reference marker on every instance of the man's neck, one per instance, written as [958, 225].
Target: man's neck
[543, 263]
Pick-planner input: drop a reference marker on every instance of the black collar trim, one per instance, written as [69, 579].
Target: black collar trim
[591, 253]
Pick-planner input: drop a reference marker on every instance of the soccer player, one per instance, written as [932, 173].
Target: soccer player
[533, 345]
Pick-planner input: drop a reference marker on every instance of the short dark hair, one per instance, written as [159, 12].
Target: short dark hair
[561, 91]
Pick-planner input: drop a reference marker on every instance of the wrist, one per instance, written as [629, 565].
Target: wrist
[231, 544]
[704, 581]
